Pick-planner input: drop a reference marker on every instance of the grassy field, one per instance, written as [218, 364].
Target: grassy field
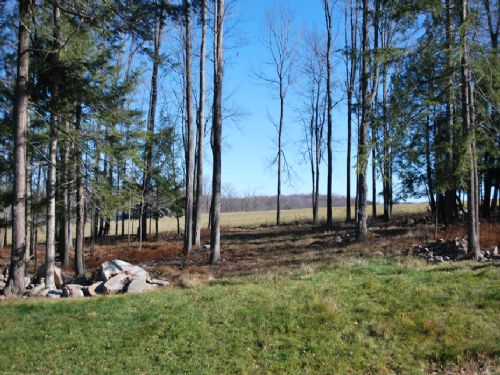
[378, 316]
[253, 218]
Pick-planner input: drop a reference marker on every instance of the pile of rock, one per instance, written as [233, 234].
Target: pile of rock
[113, 277]
[451, 250]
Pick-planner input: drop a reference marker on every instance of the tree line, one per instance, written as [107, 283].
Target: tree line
[418, 79]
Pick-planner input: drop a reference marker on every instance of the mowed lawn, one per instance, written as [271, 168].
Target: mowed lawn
[379, 316]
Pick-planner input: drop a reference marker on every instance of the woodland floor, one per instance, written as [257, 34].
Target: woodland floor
[252, 250]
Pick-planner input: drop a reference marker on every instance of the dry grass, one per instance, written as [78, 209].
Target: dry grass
[249, 219]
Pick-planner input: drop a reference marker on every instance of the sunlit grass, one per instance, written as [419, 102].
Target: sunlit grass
[360, 317]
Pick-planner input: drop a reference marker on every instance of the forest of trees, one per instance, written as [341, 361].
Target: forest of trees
[418, 79]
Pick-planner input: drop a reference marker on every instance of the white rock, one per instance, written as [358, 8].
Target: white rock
[91, 290]
[58, 276]
[37, 289]
[116, 284]
[159, 282]
[116, 266]
[72, 290]
[56, 293]
[138, 286]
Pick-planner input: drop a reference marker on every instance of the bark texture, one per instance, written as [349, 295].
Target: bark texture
[217, 133]
[15, 283]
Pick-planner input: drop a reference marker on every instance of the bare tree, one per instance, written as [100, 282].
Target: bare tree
[314, 71]
[328, 20]
[217, 132]
[188, 215]
[279, 45]
[351, 14]
[15, 283]
[200, 129]
[51, 178]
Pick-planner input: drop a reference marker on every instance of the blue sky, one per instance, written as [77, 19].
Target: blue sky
[250, 145]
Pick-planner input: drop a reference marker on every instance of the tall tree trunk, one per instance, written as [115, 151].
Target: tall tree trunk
[374, 178]
[188, 226]
[80, 199]
[366, 100]
[449, 209]
[200, 129]
[153, 98]
[28, 215]
[66, 209]
[51, 178]
[351, 70]
[328, 19]
[430, 177]
[469, 132]
[217, 133]
[15, 283]
[280, 152]
[387, 185]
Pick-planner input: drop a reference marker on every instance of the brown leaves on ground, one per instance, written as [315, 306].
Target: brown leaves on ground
[264, 249]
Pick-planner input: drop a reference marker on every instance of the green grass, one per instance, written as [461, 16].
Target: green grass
[354, 317]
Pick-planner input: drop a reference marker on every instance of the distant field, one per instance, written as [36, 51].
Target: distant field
[254, 218]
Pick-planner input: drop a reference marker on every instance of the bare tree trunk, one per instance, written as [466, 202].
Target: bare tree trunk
[328, 19]
[366, 98]
[374, 179]
[351, 62]
[188, 226]
[200, 129]
[66, 220]
[157, 35]
[51, 178]
[129, 220]
[280, 152]
[469, 131]
[217, 133]
[80, 200]
[449, 208]
[15, 283]
[430, 179]
[28, 216]
[387, 185]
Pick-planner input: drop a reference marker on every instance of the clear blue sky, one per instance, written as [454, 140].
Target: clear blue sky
[250, 145]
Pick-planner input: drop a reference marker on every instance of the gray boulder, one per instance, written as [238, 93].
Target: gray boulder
[56, 293]
[72, 291]
[116, 284]
[94, 289]
[37, 290]
[117, 266]
[159, 282]
[58, 275]
[138, 286]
